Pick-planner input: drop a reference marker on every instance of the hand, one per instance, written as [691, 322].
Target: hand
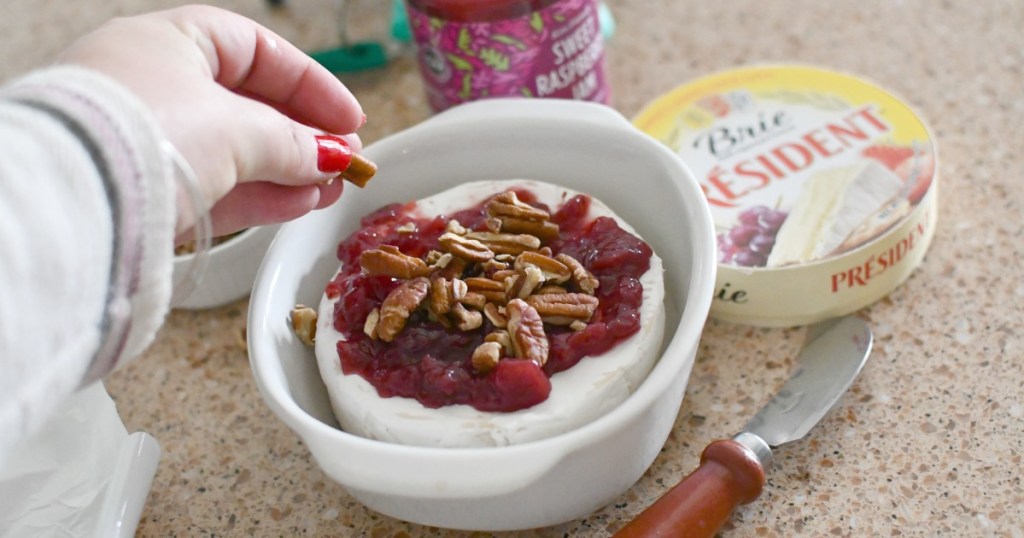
[242, 105]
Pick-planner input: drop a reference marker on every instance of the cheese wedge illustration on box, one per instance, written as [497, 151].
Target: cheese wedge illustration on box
[822, 187]
[832, 204]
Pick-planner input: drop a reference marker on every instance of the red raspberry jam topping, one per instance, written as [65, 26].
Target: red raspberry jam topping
[431, 363]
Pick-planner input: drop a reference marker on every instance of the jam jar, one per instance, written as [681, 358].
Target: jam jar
[476, 49]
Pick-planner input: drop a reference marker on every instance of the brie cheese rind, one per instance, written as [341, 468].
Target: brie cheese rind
[832, 205]
[579, 395]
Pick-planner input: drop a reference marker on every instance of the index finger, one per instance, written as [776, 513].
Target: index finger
[246, 56]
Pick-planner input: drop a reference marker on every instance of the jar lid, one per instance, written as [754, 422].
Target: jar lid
[822, 187]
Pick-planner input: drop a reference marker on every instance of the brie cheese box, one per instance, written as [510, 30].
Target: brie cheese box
[822, 186]
[578, 395]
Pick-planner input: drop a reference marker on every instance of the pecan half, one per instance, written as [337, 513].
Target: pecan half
[507, 204]
[399, 305]
[550, 288]
[466, 248]
[502, 243]
[583, 279]
[554, 270]
[503, 275]
[441, 298]
[304, 323]
[492, 290]
[563, 308]
[387, 260]
[475, 300]
[526, 330]
[546, 230]
[486, 356]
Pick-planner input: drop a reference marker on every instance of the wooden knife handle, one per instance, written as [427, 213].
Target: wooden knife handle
[729, 475]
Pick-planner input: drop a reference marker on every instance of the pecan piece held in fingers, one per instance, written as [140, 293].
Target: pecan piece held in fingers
[360, 171]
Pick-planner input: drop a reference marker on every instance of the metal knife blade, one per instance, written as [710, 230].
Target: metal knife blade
[834, 354]
[732, 471]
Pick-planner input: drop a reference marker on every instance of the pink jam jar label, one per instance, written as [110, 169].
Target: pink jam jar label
[554, 52]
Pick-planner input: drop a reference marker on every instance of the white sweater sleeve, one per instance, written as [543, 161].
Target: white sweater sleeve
[86, 232]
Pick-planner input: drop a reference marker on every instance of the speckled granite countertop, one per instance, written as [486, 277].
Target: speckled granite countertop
[928, 442]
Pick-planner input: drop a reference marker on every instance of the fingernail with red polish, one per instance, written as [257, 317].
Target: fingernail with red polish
[333, 154]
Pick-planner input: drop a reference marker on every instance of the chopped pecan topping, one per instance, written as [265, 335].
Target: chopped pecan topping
[399, 305]
[304, 324]
[486, 357]
[495, 315]
[564, 308]
[465, 319]
[454, 269]
[433, 257]
[583, 279]
[387, 260]
[465, 248]
[492, 266]
[455, 227]
[527, 279]
[503, 338]
[526, 329]
[504, 274]
[407, 228]
[370, 325]
[442, 261]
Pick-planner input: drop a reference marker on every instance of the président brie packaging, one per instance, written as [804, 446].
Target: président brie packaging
[822, 186]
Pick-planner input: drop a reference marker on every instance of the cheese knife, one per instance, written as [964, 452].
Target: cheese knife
[732, 471]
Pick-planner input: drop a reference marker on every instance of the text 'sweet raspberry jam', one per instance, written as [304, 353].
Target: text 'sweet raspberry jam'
[475, 49]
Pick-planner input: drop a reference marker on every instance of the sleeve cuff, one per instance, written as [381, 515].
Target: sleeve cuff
[123, 137]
